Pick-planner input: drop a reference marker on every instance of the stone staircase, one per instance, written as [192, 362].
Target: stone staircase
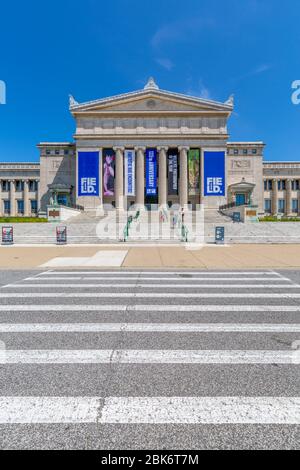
[150, 228]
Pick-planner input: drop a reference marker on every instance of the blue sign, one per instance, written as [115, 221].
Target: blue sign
[214, 173]
[88, 174]
[151, 172]
[129, 168]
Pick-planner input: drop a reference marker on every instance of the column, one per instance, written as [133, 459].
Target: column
[140, 177]
[12, 198]
[26, 198]
[183, 180]
[1, 202]
[162, 180]
[38, 196]
[274, 207]
[288, 197]
[119, 178]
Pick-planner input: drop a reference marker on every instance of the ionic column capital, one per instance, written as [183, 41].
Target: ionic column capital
[118, 148]
[140, 148]
[163, 148]
[183, 148]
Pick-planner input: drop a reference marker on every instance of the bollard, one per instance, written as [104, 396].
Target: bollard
[7, 235]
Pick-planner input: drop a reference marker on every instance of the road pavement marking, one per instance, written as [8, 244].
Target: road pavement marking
[150, 356]
[156, 286]
[148, 308]
[150, 410]
[149, 327]
[138, 278]
[100, 295]
[162, 272]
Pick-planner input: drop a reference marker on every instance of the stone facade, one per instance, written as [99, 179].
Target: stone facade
[19, 189]
[168, 122]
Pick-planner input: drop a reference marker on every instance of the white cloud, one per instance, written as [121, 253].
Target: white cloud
[262, 68]
[179, 30]
[200, 91]
[165, 63]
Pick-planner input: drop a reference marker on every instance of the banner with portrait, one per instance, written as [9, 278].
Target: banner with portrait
[194, 171]
[109, 161]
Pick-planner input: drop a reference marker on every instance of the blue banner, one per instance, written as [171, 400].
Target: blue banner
[214, 173]
[151, 172]
[129, 168]
[88, 174]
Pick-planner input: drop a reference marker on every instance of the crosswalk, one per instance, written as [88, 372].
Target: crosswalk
[150, 359]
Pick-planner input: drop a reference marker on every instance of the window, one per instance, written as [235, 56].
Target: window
[20, 206]
[48, 152]
[268, 185]
[19, 185]
[295, 185]
[254, 151]
[268, 206]
[5, 185]
[245, 151]
[281, 185]
[6, 206]
[66, 152]
[281, 206]
[295, 205]
[33, 186]
[236, 151]
[33, 206]
[57, 152]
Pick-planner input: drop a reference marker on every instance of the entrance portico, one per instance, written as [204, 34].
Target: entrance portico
[155, 139]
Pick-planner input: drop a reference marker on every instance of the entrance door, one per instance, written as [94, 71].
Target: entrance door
[240, 199]
[62, 199]
[150, 200]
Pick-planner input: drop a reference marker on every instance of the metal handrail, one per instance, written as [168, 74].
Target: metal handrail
[130, 219]
[184, 233]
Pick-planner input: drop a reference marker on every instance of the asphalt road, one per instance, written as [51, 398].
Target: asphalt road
[165, 359]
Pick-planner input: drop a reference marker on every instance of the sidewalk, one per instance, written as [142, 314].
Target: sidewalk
[208, 257]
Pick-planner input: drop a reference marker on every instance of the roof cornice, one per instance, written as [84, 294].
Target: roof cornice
[151, 93]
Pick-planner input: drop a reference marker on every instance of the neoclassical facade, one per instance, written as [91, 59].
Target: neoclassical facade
[148, 147]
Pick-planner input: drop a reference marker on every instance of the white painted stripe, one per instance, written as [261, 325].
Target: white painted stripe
[148, 308]
[160, 272]
[156, 286]
[138, 278]
[95, 295]
[150, 410]
[150, 356]
[149, 327]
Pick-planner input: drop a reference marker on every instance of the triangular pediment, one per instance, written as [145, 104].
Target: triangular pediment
[151, 101]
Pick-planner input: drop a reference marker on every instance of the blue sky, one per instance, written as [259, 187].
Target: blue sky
[93, 49]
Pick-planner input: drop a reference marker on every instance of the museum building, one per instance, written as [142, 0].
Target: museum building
[150, 147]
